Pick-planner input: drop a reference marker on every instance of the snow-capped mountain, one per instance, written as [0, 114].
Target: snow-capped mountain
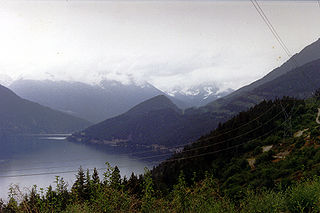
[91, 102]
[5, 80]
[198, 95]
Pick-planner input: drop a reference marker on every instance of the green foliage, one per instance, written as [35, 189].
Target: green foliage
[220, 182]
[79, 187]
[257, 151]
[107, 175]
[115, 181]
[95, 177]
[180, 194]
[299, 142]
[148, 192]
[263, 202]
[265, 157]
[78, 208]
[304, 197]
[315, 133]
[202, 196]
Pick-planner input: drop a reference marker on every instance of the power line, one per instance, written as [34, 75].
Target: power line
[221, 150]
[170, 147]
[189, 150]
[221, 142]
[278, 38]
[44, 173]
[167, 154]
[271, 28]
[215, 136]
[282, 44]
[286, 50]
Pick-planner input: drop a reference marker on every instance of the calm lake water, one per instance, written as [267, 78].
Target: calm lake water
[39, 159]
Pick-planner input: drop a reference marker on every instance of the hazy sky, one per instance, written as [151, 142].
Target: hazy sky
[167, 43]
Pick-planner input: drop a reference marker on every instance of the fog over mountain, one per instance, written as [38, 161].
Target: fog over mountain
[105, 100]
[92, 102]
[18, 116]
[168, 44]
[141, 128]
[199, 95]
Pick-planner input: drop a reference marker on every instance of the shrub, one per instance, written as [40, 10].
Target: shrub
[304, 197]
[264, 202]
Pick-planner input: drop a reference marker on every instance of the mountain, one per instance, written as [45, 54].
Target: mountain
[5, 80]
[300, 82]
[254, 162]
[91, 102]
[18, 115]
[258, 148]
[169, 128]
[306, 55]
[199, 95]
[156, 121]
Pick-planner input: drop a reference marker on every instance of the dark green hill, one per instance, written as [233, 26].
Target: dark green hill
[18, 115]
[156, 103]
[275, 142]
[159, 121]
[155, 121]
[299, 83]
[307, 55]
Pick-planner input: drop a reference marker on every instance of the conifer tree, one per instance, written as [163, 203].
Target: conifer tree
[133, 184]
[95, 177]
[88, 185]
[148, 197]
[79, 185]
[116, 178]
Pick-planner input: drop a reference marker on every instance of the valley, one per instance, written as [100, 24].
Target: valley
[159, 106]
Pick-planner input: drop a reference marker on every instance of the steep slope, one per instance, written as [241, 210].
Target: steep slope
[307, 55]
[91, 102]
[18, 115]
[149, 124]
[300, 83]
[155, 121]
[257, 148]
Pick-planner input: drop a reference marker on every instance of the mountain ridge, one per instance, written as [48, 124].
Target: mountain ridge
[91, 102]
[19, 115]
[195, 122]
[308, 54]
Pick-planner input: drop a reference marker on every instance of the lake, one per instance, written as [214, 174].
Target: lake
[38, 159]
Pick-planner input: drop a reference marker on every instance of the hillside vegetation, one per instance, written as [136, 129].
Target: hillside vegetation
[266, 159]
[275, 142]
[162, 124]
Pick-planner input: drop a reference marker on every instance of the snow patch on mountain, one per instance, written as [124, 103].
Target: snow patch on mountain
[209, 91]
[198, 95]
[5, 80]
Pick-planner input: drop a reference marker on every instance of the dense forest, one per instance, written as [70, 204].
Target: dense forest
[266, 159]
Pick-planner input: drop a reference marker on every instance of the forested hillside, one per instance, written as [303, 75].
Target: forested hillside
[263, 160]
[168, 127]
[156, 121]
[275, 142]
